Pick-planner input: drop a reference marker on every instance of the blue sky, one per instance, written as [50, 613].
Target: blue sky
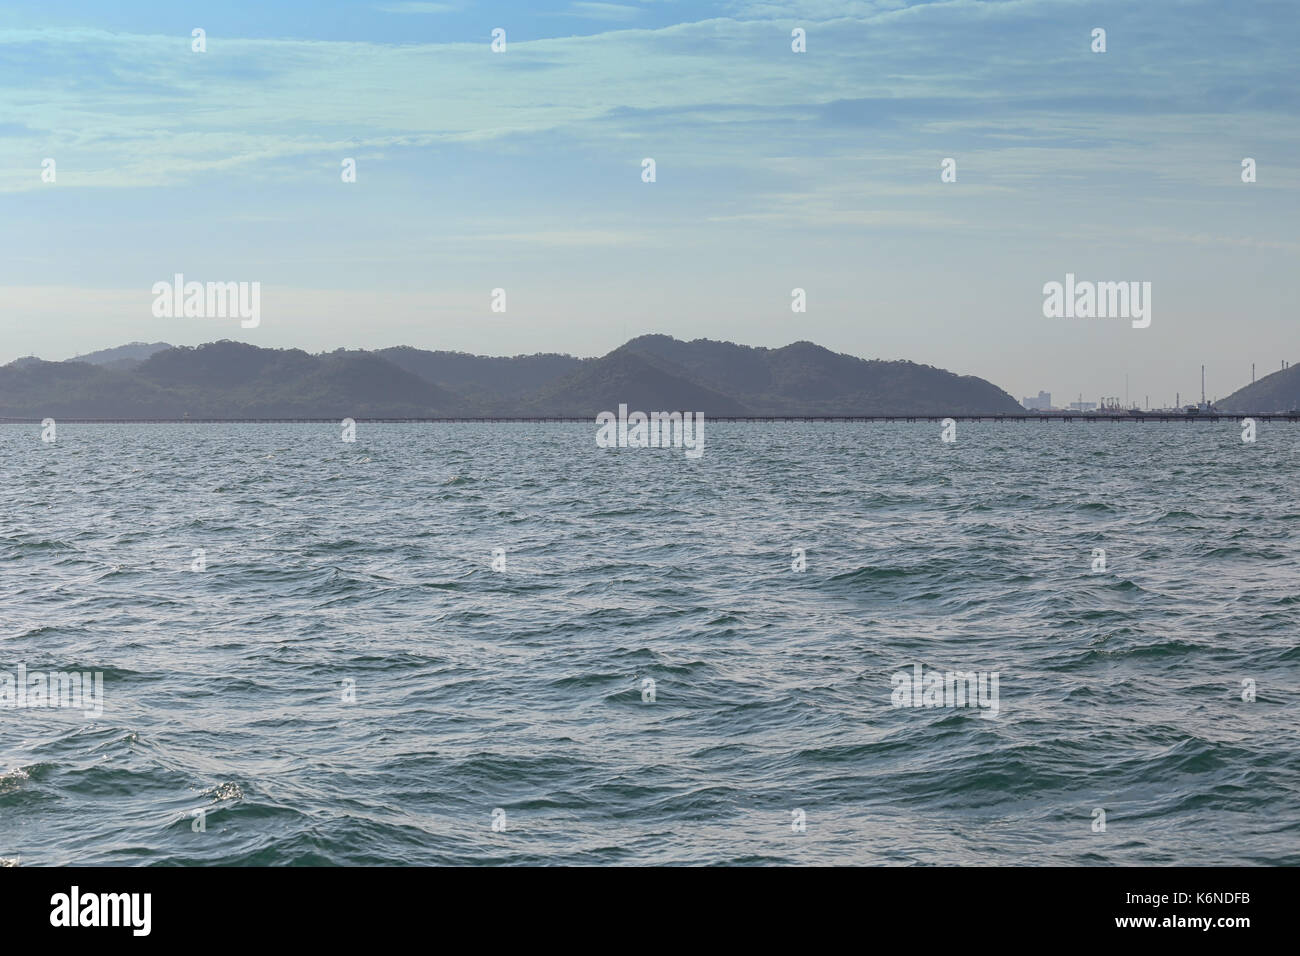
[775, 170]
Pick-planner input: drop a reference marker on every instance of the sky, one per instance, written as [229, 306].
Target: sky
[774, 170]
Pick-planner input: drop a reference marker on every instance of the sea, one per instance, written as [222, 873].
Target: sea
[499, 644]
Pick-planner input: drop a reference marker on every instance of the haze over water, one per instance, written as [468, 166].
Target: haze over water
[522, 690]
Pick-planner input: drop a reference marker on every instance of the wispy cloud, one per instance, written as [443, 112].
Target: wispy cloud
[710, 92]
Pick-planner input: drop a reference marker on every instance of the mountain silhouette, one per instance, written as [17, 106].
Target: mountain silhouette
[630, 378]
[650, 373]
[123, 356]
[804, 378]
[482, 376]
[1278, 392]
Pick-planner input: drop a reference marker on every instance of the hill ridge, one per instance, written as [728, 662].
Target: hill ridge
[229, 379]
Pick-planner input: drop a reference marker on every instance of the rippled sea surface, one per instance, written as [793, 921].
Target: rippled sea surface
[365, 568]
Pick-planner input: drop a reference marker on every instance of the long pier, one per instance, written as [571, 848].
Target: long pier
[590, 419]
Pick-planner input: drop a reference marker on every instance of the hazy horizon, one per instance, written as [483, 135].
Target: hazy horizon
[1059, 399]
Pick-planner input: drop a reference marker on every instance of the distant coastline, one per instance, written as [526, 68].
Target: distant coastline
[234, 381]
